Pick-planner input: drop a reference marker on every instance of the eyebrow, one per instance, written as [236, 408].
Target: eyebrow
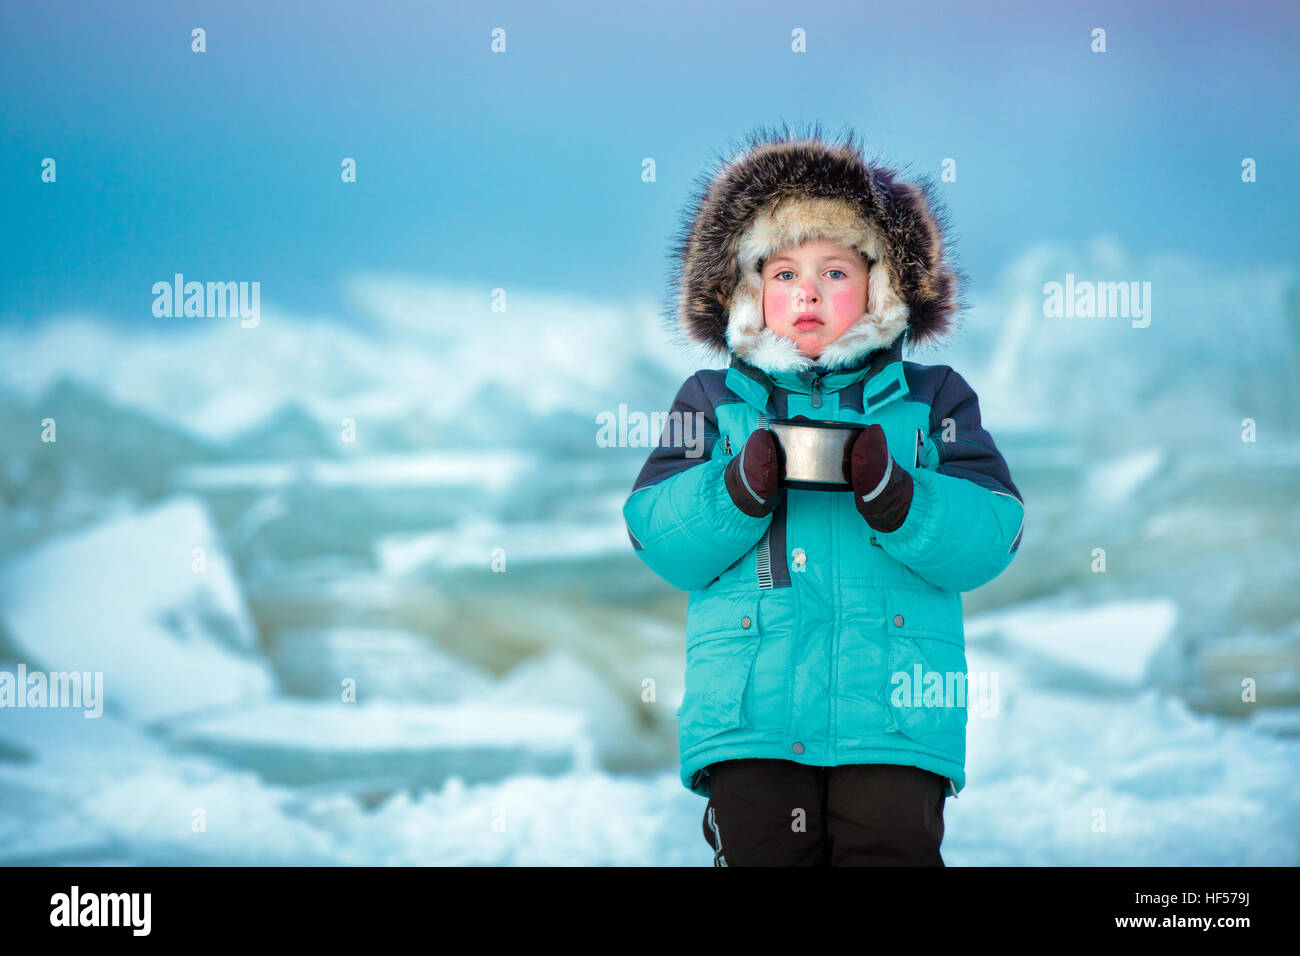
[834, 257]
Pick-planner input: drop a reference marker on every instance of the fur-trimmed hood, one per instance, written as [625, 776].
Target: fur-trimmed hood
[779, 191]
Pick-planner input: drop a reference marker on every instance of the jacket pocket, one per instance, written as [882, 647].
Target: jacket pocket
[722, 642]
[717, 674]
[926, 690]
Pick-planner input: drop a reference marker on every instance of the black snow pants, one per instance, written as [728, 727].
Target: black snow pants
[782, 813]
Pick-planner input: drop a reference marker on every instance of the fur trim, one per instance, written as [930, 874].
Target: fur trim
[779, 192]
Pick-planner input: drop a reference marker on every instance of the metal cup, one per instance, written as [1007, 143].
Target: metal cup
[814, 454]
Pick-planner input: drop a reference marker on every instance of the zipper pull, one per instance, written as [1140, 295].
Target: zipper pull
[817, 391]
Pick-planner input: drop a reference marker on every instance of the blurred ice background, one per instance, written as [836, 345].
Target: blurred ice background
[202, 534]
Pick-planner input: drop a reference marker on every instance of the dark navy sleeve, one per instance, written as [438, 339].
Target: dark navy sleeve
[691, 422]
[966, 449]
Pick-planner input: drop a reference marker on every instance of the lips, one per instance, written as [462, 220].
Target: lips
[807, 321]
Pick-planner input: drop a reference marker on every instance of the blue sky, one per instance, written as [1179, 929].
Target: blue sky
[523, 169]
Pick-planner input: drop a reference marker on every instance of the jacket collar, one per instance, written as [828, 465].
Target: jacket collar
[881, 371]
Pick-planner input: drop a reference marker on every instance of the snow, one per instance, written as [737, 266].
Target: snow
[217, 380]
[320, 726]
[368, 560]
[557, 678]
[1116, 641]
[1115, 481]
[1176, 789]
[472, 541]
[126, 598]
[303, 741]
[385, 663]
[40, 826]
[496, 470]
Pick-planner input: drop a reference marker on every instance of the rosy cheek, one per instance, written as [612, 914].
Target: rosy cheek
[777, 302]
[848, 304]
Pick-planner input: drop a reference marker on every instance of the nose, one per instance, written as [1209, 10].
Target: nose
[805, 294]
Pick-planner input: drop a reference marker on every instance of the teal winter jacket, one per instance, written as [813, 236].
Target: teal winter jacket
[810, 636]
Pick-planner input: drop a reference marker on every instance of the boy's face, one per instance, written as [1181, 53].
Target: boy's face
[819, 278]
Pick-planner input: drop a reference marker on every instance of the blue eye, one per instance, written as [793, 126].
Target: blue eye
[791, 272]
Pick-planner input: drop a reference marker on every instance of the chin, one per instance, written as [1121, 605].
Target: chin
[811, 346]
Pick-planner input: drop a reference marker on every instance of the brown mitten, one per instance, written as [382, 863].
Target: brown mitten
[752, 476]
[882, 490]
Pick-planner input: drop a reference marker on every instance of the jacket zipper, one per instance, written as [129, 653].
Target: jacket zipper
[835, 635]
[763, 566]
[817, 391]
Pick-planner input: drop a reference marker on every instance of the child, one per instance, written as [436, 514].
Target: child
[824, 716]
